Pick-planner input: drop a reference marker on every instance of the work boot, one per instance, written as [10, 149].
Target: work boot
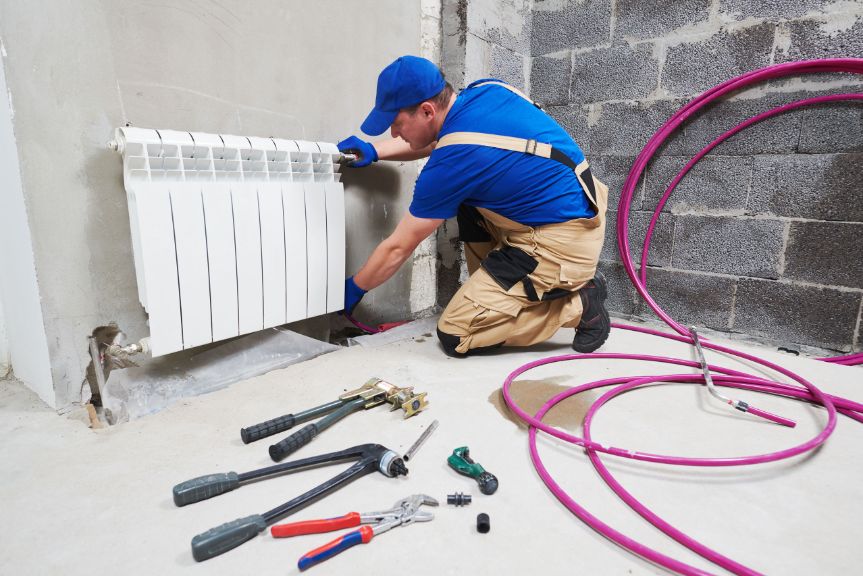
[595, 324]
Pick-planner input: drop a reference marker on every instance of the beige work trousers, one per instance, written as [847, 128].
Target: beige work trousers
[485, 313]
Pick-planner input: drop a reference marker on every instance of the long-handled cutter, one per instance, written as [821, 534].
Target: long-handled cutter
[373, 393]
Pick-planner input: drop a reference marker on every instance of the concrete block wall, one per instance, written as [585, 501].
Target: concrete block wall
[763, 236]
[479, 39]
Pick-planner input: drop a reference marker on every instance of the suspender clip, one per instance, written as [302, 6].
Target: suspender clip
[530, 147]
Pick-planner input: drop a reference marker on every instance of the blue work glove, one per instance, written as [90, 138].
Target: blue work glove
[366, 153]
[353, 295]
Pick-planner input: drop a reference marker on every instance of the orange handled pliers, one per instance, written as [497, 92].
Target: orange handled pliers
[406, 511]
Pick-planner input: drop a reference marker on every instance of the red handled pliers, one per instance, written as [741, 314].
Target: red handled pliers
[406, 511]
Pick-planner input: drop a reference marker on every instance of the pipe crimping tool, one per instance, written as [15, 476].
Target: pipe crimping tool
[371, 394]
[370, 457]
[404, 512]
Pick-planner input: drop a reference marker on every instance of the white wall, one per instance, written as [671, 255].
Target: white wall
[4, 346]
[20, 309]
[297, 70]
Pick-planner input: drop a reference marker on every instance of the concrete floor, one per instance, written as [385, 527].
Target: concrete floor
[79, 501]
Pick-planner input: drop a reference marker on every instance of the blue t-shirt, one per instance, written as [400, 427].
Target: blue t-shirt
[528, 189]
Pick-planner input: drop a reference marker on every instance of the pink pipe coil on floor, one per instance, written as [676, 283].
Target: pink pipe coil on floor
[806, 391]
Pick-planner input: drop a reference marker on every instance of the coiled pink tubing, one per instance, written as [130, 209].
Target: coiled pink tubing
[802, 391]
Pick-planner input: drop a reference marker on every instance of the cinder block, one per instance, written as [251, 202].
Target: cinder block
[797, 314]
[825, 253]
[812, 186]
[623, 128]
[776, 135]
[622, 297]
[693, 67]
[615, 73]
[573, 119]
[691, 299]
[715, 184]
[660, 243]
[836, 127]
[610, 251]
[637, 19]
[549, 79]
[735, 246]
[507, 65]
[772, 10]
[558, 25]
[811, 39]
[613, 171]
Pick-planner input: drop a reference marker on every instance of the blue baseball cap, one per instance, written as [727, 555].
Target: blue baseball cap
[406, 82]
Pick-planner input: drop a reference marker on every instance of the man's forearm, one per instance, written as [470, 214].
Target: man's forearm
[381, 265]
[399, 150]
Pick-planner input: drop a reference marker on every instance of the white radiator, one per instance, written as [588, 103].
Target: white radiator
[231, 234]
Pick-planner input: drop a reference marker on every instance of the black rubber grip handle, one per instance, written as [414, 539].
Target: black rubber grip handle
[268, 428]
[219, 540]
[293, 442]
[204, 487]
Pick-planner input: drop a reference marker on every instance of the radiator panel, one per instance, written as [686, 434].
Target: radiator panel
[232, 234]
[221, 261]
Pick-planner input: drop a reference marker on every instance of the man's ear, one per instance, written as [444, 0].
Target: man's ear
[428, 110]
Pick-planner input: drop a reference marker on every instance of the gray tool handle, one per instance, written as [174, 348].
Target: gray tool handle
[293, 442]
[204, 487]
[219, 540]
[268, 428]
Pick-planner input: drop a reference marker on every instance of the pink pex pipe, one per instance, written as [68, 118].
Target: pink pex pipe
[853, 65]
[802, 391]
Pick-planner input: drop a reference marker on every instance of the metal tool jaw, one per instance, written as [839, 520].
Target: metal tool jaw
[411, 507]
[406, 511]
[377, 391]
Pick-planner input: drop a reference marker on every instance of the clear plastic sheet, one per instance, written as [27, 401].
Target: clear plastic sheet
[138, 391]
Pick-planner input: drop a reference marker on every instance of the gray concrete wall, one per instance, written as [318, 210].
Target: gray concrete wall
[480, 39]
[762, 237]
[78, 69]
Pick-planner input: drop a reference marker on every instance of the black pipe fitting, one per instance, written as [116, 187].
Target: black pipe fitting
[483, 523]
[458, 499]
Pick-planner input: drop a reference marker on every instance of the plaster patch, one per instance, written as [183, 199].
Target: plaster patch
[840, 17]
[782, 40]
[513, 16]
[594, 113]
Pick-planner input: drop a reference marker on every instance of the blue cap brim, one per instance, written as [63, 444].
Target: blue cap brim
[378, 122]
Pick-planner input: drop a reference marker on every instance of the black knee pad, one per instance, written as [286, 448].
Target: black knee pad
[449, 343]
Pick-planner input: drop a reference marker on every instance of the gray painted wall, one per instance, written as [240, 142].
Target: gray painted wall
[269, 68]
[762, 237]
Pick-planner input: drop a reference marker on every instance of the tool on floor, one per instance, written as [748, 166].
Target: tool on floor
[404, 512]
[483, 523]
[423, 437]
[369, 457]
[372, 393]
[739, 404]
[458, 499]
[461, 462]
